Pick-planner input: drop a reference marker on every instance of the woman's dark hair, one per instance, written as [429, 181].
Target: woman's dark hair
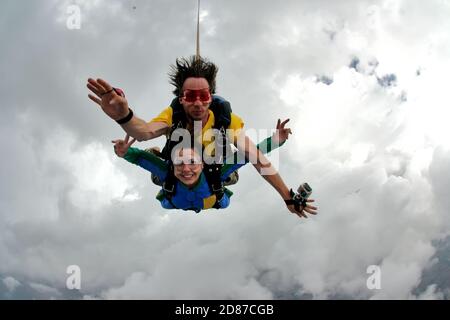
[192, 67]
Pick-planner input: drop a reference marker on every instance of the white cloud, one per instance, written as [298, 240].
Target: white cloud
[11, 283]
[97, 180]
[44, 289]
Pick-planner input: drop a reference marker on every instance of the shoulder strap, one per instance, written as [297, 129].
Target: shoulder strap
[178, 114]
[222, 112]
[178, 121]
[222, 120]
[169, 184]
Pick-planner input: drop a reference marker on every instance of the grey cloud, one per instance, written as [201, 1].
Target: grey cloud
[380, 203]
[387, 80]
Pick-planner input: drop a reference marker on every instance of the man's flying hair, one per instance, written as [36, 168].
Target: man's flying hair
[192, 67]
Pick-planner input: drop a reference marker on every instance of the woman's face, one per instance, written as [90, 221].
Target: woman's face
[187, 166]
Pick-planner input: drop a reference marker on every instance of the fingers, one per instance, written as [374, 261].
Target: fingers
[284, 122]
[306, 209]
[127, 138]
[278, 124]
[310, 211]
[105, 85]
[131, 142]
[96, 85]
[286, 133]
[95, 99]
[99, 87]
[299, 213]
[309, 208]
[302, 215]
[94, 89]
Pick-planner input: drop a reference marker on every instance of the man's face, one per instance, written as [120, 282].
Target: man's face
[196, 98]
[187, 166]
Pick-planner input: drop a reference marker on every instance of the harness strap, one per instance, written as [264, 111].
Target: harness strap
[296, 202]
[213, 177]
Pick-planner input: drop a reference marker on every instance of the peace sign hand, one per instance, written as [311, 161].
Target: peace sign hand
[114, 105]
[281, 134]
[121, 146]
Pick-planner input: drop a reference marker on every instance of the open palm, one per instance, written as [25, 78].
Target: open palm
[113, 104]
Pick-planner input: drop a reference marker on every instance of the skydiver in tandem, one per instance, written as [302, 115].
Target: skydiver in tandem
[197, 160]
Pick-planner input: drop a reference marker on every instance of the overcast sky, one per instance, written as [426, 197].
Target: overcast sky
[365, 84]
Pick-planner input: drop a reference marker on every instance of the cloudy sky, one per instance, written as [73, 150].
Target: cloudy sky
[363, 82]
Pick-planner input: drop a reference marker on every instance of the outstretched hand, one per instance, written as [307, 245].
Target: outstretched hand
[114, 105]
[121, 146]
[281, 134]
[303, 210]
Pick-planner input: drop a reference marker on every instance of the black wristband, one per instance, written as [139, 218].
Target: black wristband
[127, 118]
[298, 203]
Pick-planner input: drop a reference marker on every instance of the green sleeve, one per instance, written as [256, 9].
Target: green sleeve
[264, 146]
[140, 157]
[267, 145]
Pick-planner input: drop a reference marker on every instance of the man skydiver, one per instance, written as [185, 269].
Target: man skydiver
[195, 82]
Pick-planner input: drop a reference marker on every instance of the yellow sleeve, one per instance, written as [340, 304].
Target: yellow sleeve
[165, 116]
[236, 125]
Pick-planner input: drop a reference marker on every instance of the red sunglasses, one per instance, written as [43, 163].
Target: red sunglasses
[192, 95]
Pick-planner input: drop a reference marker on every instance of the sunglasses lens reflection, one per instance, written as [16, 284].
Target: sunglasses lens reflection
[193, 95]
